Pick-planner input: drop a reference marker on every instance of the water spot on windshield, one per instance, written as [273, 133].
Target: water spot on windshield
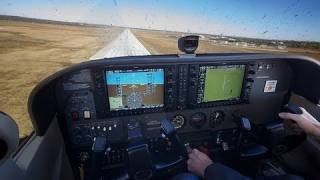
[115, 2]
[264, 16]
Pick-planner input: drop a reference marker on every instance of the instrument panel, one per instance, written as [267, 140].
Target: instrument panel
[195, 96]
[223, 104]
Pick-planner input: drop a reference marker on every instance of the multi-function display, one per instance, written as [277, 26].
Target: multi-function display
[220, 83]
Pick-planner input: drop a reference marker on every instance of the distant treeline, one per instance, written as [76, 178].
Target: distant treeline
[45, 21]
[290, 44]
[303, 44]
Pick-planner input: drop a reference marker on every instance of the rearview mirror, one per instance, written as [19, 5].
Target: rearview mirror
[9, 137]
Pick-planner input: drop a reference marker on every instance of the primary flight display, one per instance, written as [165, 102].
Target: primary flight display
[135, 89]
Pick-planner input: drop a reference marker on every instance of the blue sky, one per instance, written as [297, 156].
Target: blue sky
[271, 19]
[134, 78]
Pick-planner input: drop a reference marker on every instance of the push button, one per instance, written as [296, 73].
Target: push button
[87, 114]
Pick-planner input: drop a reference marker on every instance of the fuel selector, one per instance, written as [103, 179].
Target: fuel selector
[216, 118]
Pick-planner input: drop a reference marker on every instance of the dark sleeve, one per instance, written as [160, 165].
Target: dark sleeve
[221, 172]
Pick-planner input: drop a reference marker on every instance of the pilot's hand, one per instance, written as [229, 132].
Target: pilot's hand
[305, 122]
[292, 126]
[198, 162]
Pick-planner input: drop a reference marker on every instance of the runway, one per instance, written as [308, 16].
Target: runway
[126, 44]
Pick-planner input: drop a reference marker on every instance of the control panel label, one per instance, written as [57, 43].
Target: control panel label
[270, 86]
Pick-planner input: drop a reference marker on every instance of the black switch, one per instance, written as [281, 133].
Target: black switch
[250, 80]
[251, 72]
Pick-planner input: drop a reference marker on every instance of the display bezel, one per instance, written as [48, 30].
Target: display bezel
[243, 98]
[138, 110]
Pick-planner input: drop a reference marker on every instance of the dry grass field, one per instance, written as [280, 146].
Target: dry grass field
[160, 42]
[29, 52]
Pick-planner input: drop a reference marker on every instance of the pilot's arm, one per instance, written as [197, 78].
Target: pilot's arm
[220, 171]
[200, 164]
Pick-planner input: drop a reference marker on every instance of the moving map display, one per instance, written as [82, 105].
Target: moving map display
[135, 89]
[220, 83]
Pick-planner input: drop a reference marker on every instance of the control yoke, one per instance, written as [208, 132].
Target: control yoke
[138, 151]
[245, 130]
[171, 133]
[97, 155]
